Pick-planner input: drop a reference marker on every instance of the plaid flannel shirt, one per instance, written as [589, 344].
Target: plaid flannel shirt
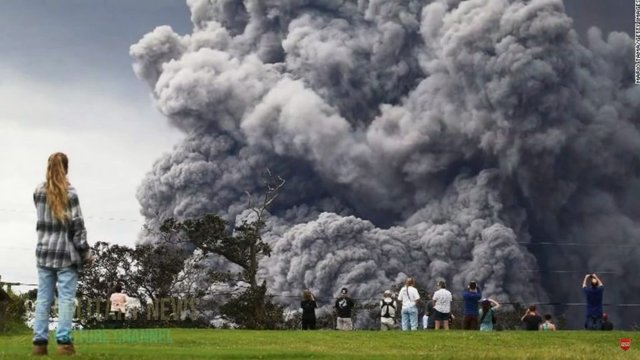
[60, 244]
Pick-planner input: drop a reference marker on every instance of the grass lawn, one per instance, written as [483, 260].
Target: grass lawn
[323, 344]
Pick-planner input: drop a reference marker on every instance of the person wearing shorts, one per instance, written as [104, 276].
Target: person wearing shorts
[442, 306]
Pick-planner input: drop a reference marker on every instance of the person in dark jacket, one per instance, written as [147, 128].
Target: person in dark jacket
[308, 305]
[593, 289]
[531, 319]
[471, 296]
[343, 307]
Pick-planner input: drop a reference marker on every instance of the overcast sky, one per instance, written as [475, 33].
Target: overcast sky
[66, 84]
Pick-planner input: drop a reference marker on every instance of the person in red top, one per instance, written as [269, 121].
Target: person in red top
[606, 324]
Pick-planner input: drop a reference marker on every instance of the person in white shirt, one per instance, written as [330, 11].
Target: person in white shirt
[408, 295]
[442, 305]
[118, 306]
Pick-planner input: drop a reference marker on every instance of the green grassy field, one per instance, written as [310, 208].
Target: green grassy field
[240, 344]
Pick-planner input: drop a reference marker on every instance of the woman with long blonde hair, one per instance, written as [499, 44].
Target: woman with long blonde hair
[61, 250]
[409, 297]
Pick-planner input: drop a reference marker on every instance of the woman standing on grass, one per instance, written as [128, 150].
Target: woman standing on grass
[308, 305]
[442, 305]
[487, 314]
[61, 250]
[409, 296]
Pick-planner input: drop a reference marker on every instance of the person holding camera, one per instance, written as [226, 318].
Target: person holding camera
[471, 297]
[308, 305]
[593, 289]
[531, 319]
[487, 314]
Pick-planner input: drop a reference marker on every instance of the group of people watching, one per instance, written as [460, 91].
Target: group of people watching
[438, 308]
[343, 306]
[479, 312]
[532, 321]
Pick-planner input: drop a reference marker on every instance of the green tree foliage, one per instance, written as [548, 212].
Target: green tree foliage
[242, 245]
[112, 263]
[241, 310]
[158, 269]
[146, 271]
[12, 312]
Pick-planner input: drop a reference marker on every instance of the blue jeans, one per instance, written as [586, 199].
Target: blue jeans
[409, 318]
[67, 280]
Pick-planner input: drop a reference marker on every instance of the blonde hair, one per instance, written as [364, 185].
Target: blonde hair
[410, 281]
[58, 185]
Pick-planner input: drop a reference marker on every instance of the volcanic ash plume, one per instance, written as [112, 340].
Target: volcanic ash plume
[440, 139]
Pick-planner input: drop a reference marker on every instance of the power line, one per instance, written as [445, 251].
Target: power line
[377, 299]
[2, 283]
[527, 270]
[88, 217]
[541, 243]
[546, 243]
[574, 271]
[557, 244]
[17, 248]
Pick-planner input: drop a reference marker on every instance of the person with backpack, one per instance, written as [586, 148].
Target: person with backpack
[308, 305]
[387, 311]
[409, 297]
[487, 314]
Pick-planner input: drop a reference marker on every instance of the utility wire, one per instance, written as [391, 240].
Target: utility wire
[609, 245]
[375, 300]
[88, 217]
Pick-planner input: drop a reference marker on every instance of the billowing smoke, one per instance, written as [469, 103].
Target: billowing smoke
[441, 139]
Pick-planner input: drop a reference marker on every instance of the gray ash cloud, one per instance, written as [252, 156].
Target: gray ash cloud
[440, 139]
